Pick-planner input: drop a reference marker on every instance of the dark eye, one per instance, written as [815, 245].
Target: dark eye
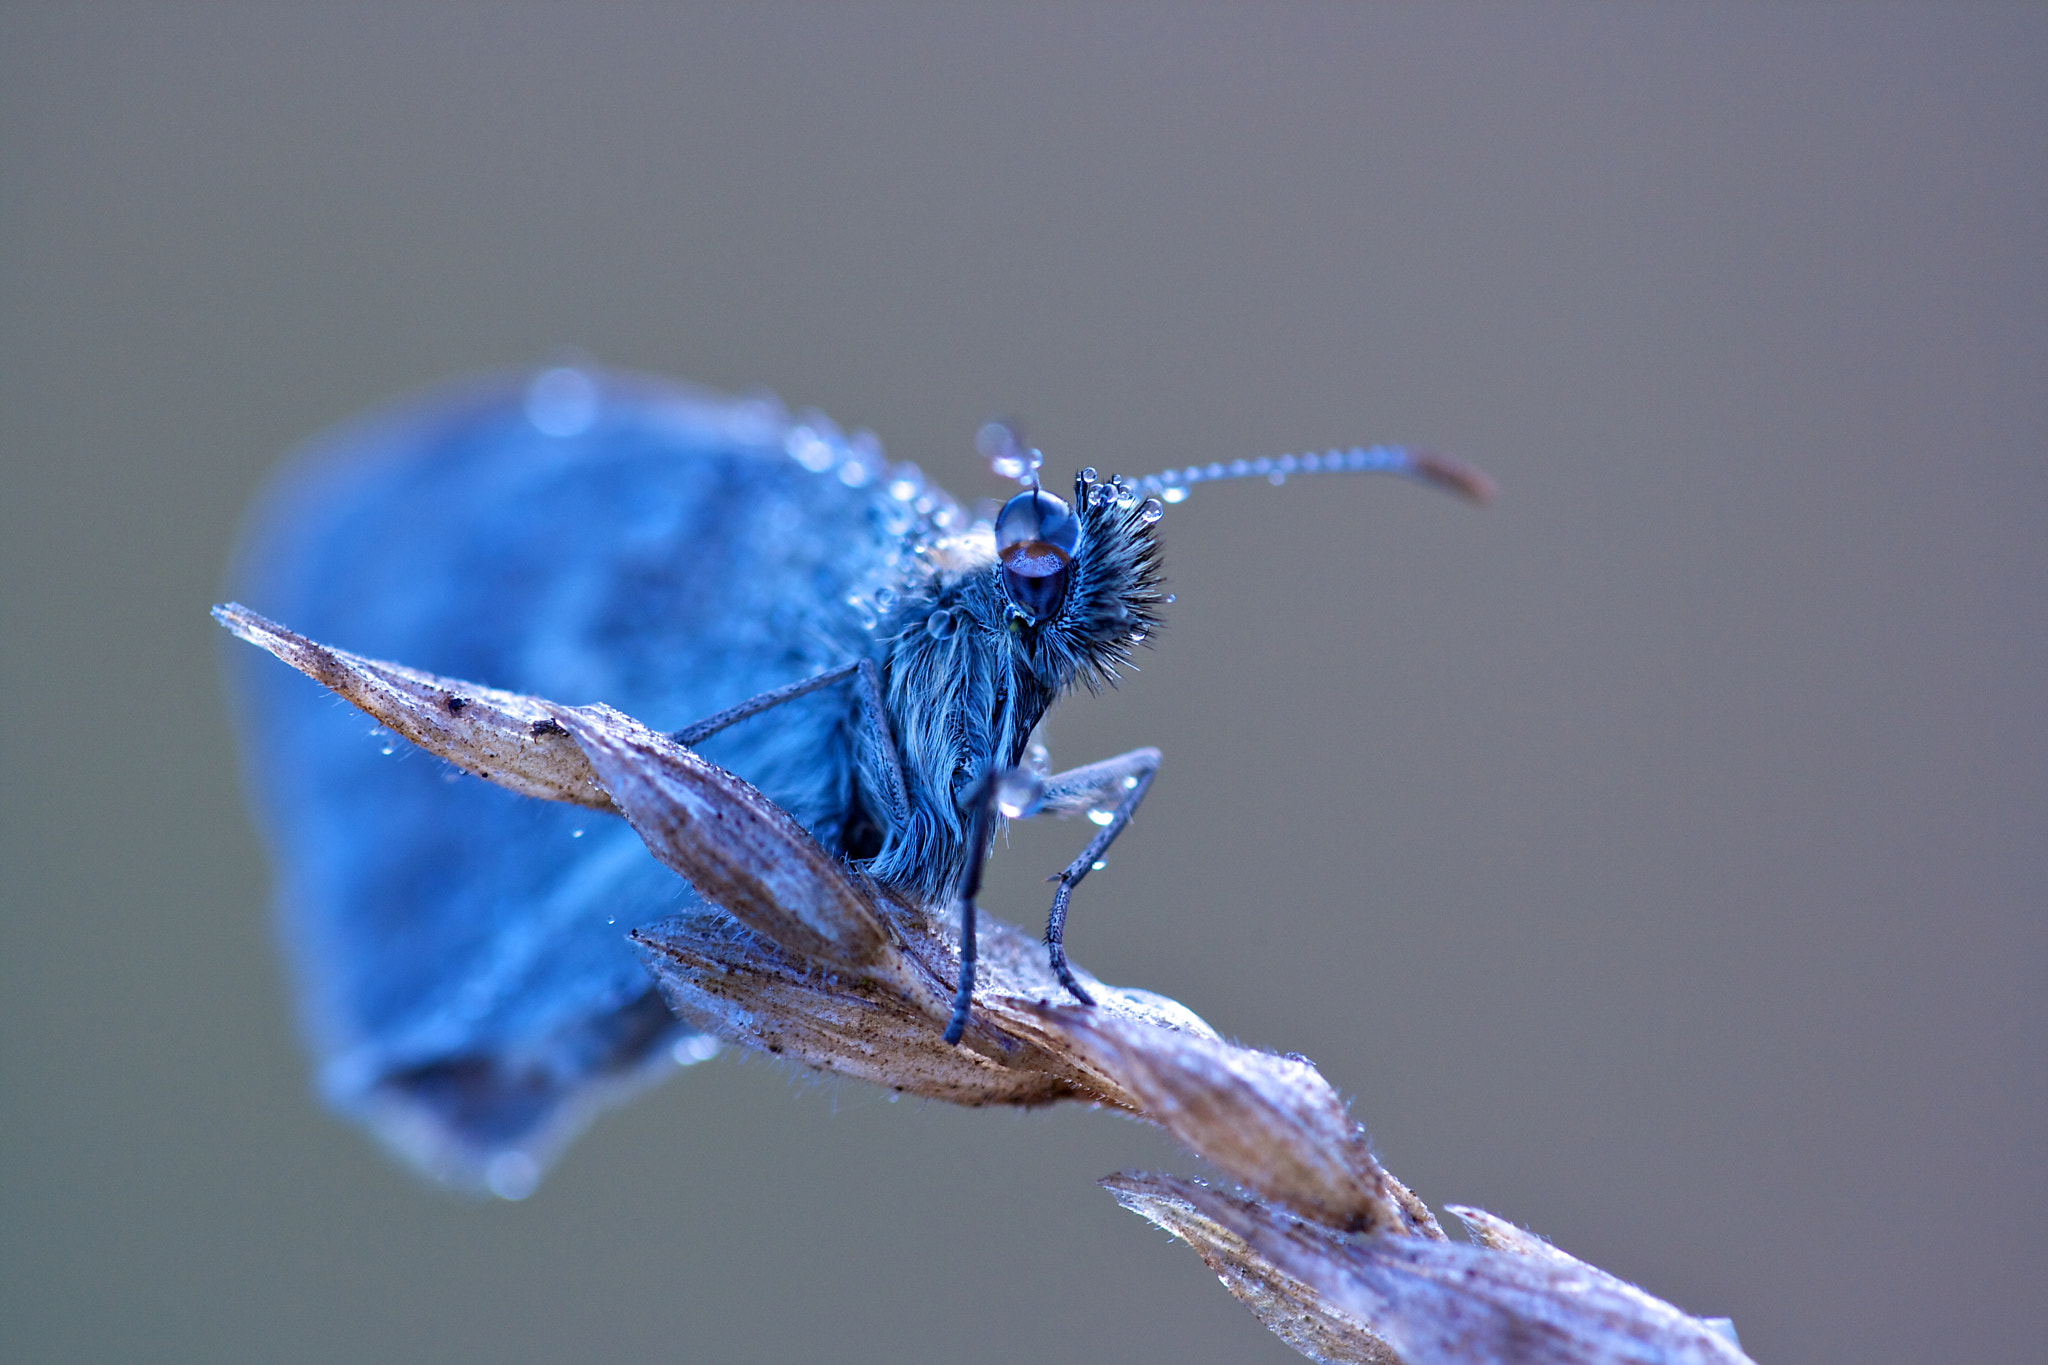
[1036, 536]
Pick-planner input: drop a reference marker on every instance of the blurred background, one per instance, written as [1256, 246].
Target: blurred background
[1657, 857]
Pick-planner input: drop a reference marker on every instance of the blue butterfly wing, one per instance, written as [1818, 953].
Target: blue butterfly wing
[460, 950]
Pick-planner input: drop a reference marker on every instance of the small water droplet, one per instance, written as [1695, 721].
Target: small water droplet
[810, 450]
[698, 1047]
[885, 599]
[1130, 783]
[1019, 793]
[906, 483]
[1102, 817]
[388, 750]
[1176, 494]
[1088, 475]
[512, 1175]
[1171, 599]
[561, 402]
[1098, 865]
[1152, 509]
[854, 473]
[939, 624]
[575, 834]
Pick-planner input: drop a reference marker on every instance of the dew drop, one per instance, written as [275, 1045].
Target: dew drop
[1098, 865]
[1130, 784]
[512, 1175]
[575, 834]
[561, 402]
[1088, 475]
[906, 483]
[388, 750]
[1176, 494]
[698, 1047]
[1102, 817]
[1019, 793]
[885, 599]
[1152, 509]
[1171, 599]
[810, 450]
[939, 624]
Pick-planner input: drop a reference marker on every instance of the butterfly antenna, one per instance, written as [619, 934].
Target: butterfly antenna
[1453, 476]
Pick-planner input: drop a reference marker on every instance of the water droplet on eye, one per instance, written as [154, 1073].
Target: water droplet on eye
[939, 624]
[1102, 817]
[1019, 793]
[561, 402]
[1152, 509]
[512, 1175]
[575, 834]
[1176, 494]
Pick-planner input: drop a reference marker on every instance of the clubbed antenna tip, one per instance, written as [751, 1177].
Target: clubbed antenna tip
[1454, 476]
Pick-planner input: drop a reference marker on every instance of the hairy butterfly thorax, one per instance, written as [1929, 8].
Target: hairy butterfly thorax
[1051, 596]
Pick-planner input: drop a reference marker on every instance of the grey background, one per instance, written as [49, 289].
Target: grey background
[1656, 857]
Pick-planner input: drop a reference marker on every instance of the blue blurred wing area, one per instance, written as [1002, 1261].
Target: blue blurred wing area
[584, 537]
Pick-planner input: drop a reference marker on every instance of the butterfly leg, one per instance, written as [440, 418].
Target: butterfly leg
[981, 811]
[692, 735]
[874, 715]
[1122, 780]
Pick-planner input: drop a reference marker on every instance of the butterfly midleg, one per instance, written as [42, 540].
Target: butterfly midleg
[1123, 779]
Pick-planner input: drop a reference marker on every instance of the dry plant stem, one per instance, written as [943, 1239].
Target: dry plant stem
[799, 954]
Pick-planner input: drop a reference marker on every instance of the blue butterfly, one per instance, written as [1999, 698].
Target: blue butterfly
[824, 624]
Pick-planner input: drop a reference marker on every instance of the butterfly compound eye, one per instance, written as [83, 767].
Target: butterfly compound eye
[1036, 536]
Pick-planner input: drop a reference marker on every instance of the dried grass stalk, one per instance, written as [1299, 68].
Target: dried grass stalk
[804, 957]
